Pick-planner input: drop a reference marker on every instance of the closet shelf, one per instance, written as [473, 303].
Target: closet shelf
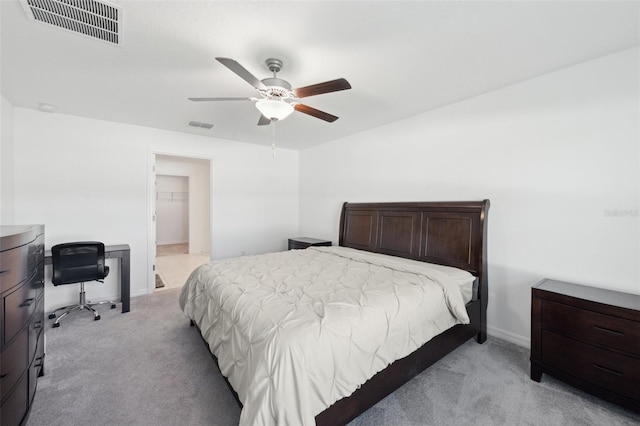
[171, 196]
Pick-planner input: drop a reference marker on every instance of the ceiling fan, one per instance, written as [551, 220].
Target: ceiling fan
[278, 98]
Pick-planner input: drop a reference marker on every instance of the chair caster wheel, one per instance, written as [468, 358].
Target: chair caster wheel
[52, 316]
[97, 318]
[56, 324]
[113, 306]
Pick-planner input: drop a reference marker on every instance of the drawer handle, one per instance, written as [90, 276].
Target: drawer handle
[37, 325]
[607, 370]
[606, 330]
[27, 302]
[2, 376]
[4, 272]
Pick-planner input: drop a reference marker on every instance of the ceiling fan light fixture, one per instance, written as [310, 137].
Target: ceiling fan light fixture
[274, 109]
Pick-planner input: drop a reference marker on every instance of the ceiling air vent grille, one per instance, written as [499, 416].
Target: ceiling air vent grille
[89, 17]
[201, 125]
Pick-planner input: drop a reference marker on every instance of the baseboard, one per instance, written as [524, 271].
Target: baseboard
[509, 337]
[144, 292]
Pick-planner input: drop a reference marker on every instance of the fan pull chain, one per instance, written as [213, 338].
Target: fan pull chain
[273, 140]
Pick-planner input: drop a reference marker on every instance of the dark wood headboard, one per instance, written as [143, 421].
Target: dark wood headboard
[447, 233]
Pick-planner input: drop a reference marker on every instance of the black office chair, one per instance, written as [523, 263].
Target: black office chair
[78, 262]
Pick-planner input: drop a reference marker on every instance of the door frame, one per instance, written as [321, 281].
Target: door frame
[151, 205]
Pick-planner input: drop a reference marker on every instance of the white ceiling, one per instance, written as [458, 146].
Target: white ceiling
[401, 58]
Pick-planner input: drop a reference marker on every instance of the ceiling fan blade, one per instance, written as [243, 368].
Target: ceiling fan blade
[264, 121]
[220, 99]
[315, 112]
[320, 88]
[242, 73]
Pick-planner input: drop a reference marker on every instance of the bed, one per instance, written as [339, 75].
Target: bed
[321, 335]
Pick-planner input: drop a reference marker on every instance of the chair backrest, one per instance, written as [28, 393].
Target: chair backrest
[78, 262]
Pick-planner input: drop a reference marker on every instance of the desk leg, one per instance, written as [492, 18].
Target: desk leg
[125, 280]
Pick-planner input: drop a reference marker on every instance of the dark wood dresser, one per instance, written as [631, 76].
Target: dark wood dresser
[21, 319]
[304, 242]
[587, 337]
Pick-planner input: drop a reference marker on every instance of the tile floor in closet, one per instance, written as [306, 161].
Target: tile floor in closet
[174, 264]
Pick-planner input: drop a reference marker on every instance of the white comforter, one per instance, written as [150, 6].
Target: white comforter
[296, 331]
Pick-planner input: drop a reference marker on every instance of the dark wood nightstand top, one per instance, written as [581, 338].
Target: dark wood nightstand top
[592, 294]
[307, 240]
[304, 242]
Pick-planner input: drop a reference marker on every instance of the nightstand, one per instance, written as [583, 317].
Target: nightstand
[587, 337]
[304, 242]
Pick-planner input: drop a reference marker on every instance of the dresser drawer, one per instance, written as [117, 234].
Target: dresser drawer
[36, 327]
[15, 406]
[13, 362]
[605, 330]
[35, 369]
[609, 370]
[18, 307]
[13, 267]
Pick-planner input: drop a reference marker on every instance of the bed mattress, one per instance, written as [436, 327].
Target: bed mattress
[296, 331]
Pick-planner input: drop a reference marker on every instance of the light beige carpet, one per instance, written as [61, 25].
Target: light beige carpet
[149, 367]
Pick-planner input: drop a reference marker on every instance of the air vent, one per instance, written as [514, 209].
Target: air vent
[88, 17]
[201, 125]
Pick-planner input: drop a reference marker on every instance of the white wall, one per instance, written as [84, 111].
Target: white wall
[199, 180]
[556, 155]
[6, 162]
[89, 179]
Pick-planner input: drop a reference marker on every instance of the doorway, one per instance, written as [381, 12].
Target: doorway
[181, 218]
